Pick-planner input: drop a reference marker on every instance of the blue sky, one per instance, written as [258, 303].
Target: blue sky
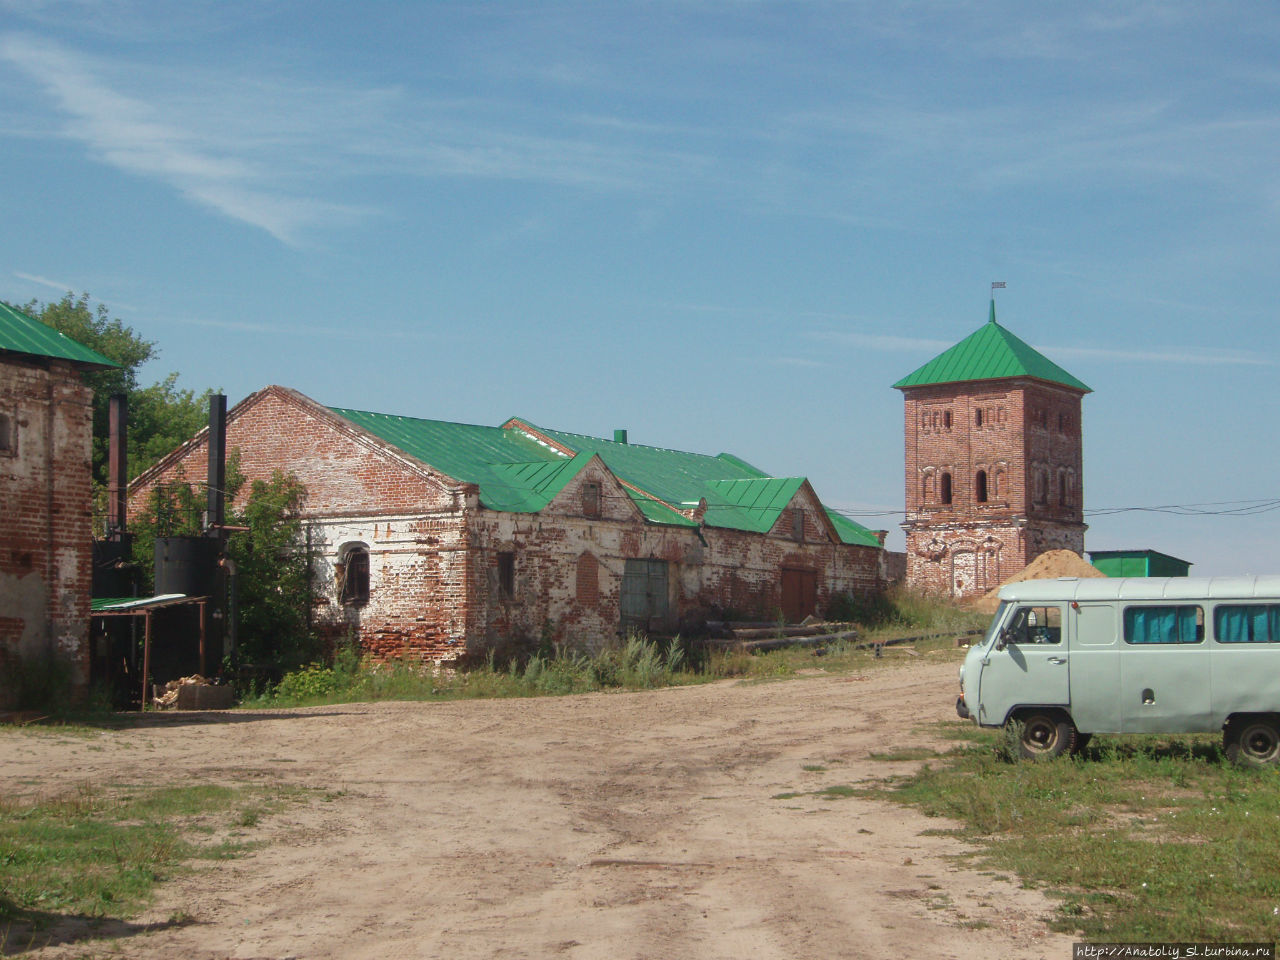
[721, 225]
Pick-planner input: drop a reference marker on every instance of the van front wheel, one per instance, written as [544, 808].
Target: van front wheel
[1045, 734]
[1252, 741]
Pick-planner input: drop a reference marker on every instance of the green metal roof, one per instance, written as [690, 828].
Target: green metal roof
[989, 353]
[519, 473]
[20, 333]
[514, 472]
[739, 496]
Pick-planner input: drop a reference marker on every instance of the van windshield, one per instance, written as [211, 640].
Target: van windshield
[996, 622]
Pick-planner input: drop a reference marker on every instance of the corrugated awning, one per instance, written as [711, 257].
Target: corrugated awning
[117, 605]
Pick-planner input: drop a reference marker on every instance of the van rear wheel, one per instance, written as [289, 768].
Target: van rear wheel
[1252, 741]
[1045, 734]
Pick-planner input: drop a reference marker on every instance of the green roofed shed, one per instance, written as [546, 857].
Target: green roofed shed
[989, 353]
[23, 334]
[1138, 563]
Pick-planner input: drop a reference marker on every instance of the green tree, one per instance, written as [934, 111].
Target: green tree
[161, 416]
[274, 575]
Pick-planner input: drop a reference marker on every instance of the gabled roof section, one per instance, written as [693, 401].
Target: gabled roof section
[738, 496]
[753, 504]
[20, 333]
[990, 353]
[514, 472]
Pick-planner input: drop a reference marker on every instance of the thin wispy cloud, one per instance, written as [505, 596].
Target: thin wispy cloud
[42, 281]
[1193, 356]
[132, 135]
[1188, 356]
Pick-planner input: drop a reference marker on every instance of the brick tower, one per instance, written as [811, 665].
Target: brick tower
[993, 463]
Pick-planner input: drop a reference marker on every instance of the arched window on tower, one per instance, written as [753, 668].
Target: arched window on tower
[980, 486]
[945, 496]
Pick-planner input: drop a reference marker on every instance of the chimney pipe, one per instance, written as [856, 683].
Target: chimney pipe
[217, 464]
[117, 465]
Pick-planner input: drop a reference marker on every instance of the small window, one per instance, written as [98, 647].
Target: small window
[1034, 625]
[1042, 483]
[1180, 624]
[506, 574]
[797, 526]
[353, 574]
[946, 420]
[980, 486]
[1062, 424]
[1064, 489]
[977, 418]
[1247, 623]
[6, 433]
[591, 499]
[946, 488]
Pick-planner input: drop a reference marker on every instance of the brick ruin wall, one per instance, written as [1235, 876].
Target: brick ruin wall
[436, 589]
[1025, 437]
[568, 568]
[45, 519]
[412, 525]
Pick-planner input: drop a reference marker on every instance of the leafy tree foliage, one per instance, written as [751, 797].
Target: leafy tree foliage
[161, 416]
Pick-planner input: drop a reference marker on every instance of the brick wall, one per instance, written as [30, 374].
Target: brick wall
[1018, 442]
[439, 563]
[45, 516]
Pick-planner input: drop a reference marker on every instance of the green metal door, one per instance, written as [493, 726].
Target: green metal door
[644, 593]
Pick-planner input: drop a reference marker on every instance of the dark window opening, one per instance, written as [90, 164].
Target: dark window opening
[946, 488]
[797, 526]
[354, 576]
[6, 433]
[977, 417]
[644, 592]
[946, 419]
[1064, 489]
[980, 486]
[506, 574]
[591, 499]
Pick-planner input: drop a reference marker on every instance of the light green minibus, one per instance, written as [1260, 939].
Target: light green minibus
[1072, 657]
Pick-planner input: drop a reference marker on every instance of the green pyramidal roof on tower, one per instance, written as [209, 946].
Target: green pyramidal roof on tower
[990, 353]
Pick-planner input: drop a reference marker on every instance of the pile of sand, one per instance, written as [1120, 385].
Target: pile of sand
[1047, 566]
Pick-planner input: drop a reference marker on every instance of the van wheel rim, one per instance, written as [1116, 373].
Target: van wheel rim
[1260, 742]
[1040, 735]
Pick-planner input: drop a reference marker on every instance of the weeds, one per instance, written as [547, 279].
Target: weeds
[98, 854]
[1158, 839]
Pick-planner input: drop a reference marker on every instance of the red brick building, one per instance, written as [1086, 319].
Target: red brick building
[994, 467]
[46, 535]
[436, 538]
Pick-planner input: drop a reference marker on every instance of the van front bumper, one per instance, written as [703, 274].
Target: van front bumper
[962, 708]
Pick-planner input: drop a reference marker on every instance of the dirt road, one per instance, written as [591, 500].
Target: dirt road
[622, 825]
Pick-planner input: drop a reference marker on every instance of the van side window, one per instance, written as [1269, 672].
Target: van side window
[1180, 624]
[1247, 623]
[1035, 625]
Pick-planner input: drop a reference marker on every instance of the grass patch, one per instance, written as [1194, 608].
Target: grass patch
[1140, 838]
[99, 854]
[634, 663]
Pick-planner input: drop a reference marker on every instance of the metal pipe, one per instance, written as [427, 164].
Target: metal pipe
[117, 465]
[217, 476]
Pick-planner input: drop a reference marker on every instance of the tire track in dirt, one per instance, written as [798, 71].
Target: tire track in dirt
[598, 826]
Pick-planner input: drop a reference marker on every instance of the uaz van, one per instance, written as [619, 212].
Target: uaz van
[1069, 658]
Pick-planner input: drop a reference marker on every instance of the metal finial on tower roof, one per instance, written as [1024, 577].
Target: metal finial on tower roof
[995, 285]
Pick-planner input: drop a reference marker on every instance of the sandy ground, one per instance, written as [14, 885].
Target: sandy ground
[621, 825]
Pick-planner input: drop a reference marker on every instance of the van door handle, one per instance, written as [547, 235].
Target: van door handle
[1057, 659]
